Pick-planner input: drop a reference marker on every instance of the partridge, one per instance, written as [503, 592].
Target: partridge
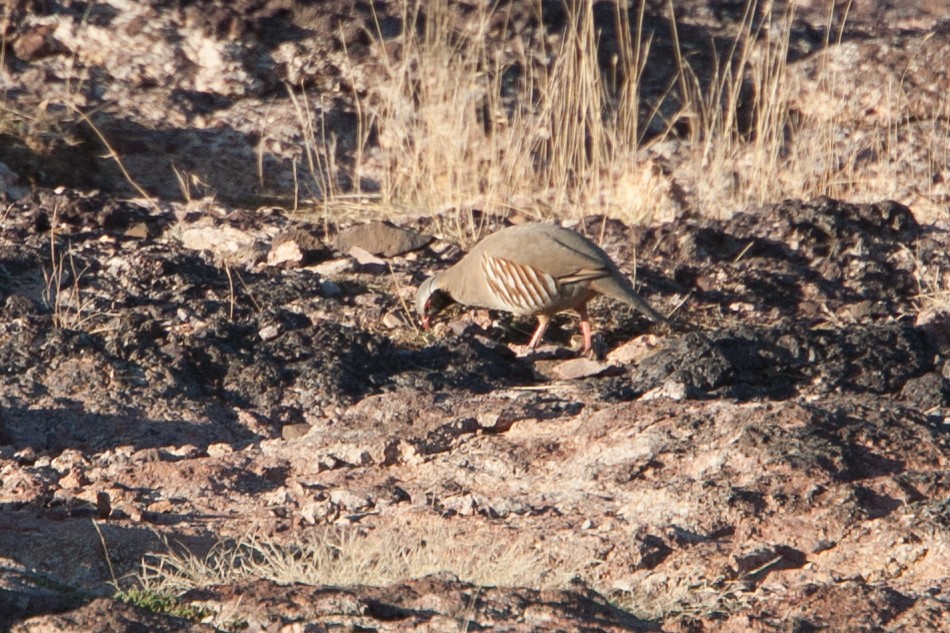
[534, 269]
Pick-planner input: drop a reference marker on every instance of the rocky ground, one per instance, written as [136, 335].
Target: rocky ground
[250, 387]
[791, 468]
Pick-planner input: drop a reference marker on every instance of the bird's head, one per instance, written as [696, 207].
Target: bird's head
[431, 300]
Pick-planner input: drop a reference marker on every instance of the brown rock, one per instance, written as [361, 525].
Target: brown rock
[293, 431]
[297, 247]
[138, 231]
[380, 238]
[582, 368]
[636, 350]
[104, 615]
[334, 267]
[37, 42]
[366, 261]
[431, 603]
[230, 244]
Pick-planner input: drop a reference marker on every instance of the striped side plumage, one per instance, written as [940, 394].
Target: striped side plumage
[521, 289]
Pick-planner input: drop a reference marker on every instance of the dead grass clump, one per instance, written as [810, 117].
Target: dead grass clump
[472, 113]
[800, 135]
[353, 557]
[733, 159]
[538, 125]
[531, 125]
[63, 292]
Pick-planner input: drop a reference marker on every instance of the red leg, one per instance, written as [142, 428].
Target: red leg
[538, 333]
[585, 328]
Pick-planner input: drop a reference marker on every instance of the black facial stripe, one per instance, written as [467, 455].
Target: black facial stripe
[438, 301]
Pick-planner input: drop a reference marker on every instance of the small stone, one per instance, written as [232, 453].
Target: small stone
[25, 456]
[330, 289]
[401, 452]
[227, 243]
[103, 505]
[137, 231]
[458, 327]
[380, 238]
[312, 512]
[364, 257]
[464, 505]
[352, 455]
[366, 262]
[284, 254]
[147, 455]
[293, 431]
[269, 332]
[38, 42]
[68, 460]
[856, 311]
[73, 479]
[350, 501]
[634, 351]
[187, 451]
[220, 449]
[392, 321]
[300, 246]
[487, 420]
[672, 389]
[497, 422]
[333, 267]
[581, 368]
[163, 506]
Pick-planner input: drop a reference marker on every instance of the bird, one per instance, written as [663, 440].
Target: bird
[537, 269]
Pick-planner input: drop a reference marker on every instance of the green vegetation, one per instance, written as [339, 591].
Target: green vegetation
[159, 602]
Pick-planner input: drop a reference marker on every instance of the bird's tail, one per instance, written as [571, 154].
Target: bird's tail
[618, 287]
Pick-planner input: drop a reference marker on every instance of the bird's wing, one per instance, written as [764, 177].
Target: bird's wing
[586, 274]
[567, 257]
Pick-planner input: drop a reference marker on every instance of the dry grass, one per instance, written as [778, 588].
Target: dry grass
[787, 151]
[933, 287]
[732, 161]
[63, 293]
[466, 124]
[691, 593]
[537, 126]
[469, 111]
[353, 557]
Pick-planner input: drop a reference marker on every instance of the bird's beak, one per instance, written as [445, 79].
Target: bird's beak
[426, 323]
